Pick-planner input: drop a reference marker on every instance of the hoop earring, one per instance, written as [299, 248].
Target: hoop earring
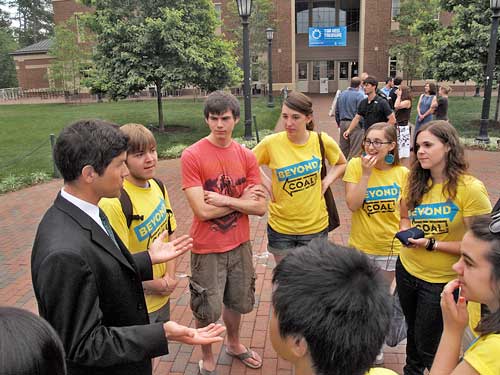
[389, 159]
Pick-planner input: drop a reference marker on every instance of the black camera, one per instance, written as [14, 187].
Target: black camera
[413, 232]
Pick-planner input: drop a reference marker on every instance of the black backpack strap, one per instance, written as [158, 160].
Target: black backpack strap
[161, 185]
[126, 204]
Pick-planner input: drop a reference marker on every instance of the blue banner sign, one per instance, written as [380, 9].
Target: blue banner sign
[328, 36]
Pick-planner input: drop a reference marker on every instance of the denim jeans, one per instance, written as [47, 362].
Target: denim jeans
[281, 244]
[420, 301]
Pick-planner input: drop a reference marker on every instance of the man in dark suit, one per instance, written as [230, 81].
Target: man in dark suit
[87, 284]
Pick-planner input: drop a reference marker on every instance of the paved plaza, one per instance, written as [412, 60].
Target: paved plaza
[21, 212]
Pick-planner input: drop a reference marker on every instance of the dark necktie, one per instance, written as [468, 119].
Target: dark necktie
[107, 226]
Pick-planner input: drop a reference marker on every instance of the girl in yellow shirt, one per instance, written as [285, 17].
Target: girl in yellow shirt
[478, 280]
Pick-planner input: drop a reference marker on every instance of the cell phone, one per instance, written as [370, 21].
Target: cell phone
[413, 232]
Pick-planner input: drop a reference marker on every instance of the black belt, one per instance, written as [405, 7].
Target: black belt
[346, 119]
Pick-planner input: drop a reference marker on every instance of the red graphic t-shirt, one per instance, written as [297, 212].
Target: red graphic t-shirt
[226, 171]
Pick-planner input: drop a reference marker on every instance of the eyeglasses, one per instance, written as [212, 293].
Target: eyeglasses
[376, 143]
[495, 223]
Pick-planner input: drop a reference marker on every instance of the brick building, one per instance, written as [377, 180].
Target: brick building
[295, 63]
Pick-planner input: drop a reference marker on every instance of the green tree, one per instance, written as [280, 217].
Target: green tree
[166, 43]
[8, 71]
[71, 57]
[417, 18]
[34, 18]
[261, 18]
[459, 51]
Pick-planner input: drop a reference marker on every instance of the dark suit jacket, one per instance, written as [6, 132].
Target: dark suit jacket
[91, 293]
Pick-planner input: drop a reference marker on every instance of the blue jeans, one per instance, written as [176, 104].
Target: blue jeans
[420, 301]
[280, 244]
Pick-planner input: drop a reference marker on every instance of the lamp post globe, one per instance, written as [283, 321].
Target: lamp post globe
[269, 37]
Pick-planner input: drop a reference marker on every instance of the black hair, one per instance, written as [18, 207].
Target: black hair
[371, 81]
[219, 102]
[29, 345]
[479, 227]
[88, 142]
[336, 299]
[398, 81]
[388, 79]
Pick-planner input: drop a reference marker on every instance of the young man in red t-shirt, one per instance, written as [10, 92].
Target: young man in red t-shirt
[222, 184]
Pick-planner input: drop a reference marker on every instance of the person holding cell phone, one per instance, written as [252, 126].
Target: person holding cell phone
[440, 198]
[478, 279]
[373, 183]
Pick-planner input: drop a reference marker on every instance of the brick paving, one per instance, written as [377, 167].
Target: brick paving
[22, 211]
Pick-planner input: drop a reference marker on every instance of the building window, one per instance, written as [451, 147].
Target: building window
[218, 14]
[393, 66]
[302, 17]
[344, 70]
[79, 28]
[330, 70]
[349, 15]
[396, 8]
[302, 71]
[323, 13]
[317, 70]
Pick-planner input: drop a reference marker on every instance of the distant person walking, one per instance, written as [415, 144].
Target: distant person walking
[345, 110]
[403, 113]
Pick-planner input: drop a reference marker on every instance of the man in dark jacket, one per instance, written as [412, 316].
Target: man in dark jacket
[86, 283]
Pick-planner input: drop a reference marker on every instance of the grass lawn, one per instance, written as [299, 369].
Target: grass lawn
[25, 129]
[464, 114]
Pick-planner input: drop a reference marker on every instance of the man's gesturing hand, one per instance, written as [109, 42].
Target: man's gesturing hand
[201, 336]
[161, 251]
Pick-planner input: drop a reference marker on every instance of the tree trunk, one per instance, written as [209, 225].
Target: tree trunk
[465, 87]
[161, 123]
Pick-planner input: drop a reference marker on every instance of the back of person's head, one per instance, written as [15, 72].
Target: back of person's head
[480, 228]
[432, 88]
[301, 103]
[87, 142]
[355, 82]
[398, 80]
[28, 345]
[336, 299]
[140, 138]
[389, 79]
[219, 102]
[445, 88]
[371, 81]
[405, 92]
[390, 133]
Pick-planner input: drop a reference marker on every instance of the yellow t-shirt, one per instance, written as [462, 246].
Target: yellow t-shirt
[474, 310]
[298, 207]
[374, 225]
[443, 219]
[380, 371]
[483, 355]
[148, 202]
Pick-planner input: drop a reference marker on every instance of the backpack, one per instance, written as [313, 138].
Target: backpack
[126, 204]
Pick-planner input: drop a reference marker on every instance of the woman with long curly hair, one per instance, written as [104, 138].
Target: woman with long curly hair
[440, 198]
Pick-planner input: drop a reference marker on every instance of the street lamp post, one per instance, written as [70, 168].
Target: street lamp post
[485, 113]
[245, 10]
[269, 36]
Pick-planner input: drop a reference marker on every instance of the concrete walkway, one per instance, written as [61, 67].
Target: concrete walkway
[22, 211]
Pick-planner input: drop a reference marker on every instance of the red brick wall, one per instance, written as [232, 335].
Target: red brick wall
[377, 38]
[64, 9]
[35, 78]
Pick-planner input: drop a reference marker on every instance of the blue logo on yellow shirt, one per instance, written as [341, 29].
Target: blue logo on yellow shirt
[300, 176]
[151, 224]
[434, 218]
[381, 199]
[301, 169]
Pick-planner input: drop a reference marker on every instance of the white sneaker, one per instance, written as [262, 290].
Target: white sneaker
[379, 359]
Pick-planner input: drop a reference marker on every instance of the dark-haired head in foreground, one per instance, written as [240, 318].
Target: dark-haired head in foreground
[331, 310]
[28, 344]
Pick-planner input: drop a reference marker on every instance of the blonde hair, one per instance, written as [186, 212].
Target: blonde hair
[139, 137]
[446, 88]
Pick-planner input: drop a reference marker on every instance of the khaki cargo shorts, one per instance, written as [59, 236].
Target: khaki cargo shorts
[222, 278]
